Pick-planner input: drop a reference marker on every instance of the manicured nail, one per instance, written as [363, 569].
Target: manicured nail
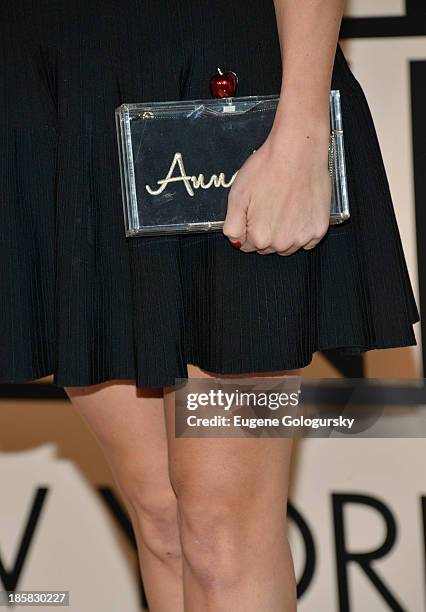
[237, 244]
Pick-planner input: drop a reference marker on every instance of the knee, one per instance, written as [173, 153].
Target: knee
[153, 511]
[155, 515]
[214, 536]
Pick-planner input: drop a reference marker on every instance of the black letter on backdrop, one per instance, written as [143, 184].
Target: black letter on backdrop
[364, 559]
[310, 555]
[10, 578]
[121, 516]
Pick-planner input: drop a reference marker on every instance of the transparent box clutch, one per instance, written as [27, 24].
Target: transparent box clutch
[179, 159]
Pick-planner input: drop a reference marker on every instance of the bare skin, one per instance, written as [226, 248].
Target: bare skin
[280, 199]
[232, 496]
[130, 427]
[209, 515]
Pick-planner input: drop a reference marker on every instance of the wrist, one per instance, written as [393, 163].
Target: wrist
[305, 103]
[299, 129]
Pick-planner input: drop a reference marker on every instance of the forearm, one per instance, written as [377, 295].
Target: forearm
[308, 32]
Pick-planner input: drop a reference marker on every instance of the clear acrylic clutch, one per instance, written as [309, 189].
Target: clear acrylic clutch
[179, 159]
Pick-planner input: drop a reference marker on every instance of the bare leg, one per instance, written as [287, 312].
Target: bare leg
[129, 425]
[232, 498]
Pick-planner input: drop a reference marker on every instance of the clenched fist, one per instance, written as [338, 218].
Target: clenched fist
[280, 199]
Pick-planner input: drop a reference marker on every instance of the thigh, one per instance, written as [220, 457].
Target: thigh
[238, 472]
[129, 425]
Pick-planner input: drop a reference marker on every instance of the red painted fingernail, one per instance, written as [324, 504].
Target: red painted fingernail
[237, 244]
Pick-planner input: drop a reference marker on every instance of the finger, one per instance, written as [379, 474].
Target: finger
[235, 223]
[248, 247]
[289, 251]
[259, 236]
[267, 251]
[310, 245]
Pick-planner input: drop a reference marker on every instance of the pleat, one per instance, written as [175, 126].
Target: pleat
[93, 285]
[27, 260]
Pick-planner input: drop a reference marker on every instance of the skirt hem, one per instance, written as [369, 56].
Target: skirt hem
[168, 381]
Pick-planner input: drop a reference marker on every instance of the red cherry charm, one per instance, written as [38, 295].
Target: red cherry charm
[224, 84]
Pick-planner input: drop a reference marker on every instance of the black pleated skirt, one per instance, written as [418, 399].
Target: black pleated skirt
[81, 301]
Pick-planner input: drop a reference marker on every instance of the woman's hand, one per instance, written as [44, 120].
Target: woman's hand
[280, 199]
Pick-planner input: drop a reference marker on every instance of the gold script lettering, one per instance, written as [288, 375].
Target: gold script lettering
[190, 182]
